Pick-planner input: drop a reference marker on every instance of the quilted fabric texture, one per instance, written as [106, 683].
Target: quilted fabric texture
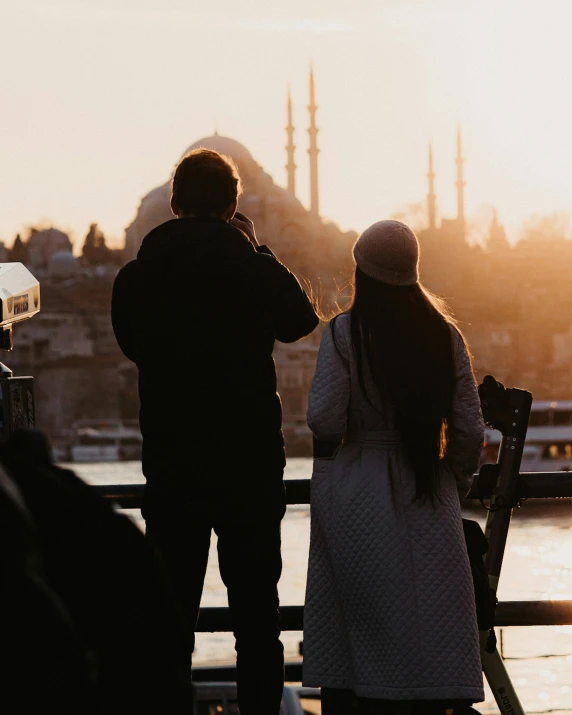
[390, 609]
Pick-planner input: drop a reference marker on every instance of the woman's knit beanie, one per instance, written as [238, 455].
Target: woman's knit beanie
[389, 252]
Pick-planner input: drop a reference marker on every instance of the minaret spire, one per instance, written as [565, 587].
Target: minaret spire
[460, 184]
[431, 198]
[290, 147]
[313, 151]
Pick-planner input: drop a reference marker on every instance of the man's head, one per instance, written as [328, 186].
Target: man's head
[205, 183]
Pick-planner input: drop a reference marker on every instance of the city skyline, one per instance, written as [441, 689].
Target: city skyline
[98, 111]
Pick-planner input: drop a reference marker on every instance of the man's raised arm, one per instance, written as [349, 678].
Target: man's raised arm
[294, 315]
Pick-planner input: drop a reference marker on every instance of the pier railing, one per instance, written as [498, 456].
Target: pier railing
[532, 485]
[506, 410]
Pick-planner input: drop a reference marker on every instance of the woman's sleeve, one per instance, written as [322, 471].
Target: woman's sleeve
[466, 430]
[330, 391]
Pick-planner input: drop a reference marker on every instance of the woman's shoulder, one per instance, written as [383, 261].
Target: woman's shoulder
[461, 352]
[337, 334]
[340, 328]
[457, 337]
[340, 321]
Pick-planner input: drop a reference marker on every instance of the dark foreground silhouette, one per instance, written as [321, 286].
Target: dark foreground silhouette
[101, 630]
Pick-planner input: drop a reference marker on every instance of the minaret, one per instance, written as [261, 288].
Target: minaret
[460, 184]
[290, 147]
[431, 198]
[313, 151]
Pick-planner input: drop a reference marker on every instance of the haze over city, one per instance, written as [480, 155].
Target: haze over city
[101, 99]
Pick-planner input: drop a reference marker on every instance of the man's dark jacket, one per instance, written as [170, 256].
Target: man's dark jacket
[198, 311]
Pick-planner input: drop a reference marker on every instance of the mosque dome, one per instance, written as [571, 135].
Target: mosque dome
[224, 145]
[157, 200]
[269, 205]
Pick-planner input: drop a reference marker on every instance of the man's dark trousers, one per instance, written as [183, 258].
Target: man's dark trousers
[247, 523]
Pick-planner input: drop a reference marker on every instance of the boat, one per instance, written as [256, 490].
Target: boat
[548, 446]
[100, 440]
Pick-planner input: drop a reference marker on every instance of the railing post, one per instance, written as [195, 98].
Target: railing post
[507, 411]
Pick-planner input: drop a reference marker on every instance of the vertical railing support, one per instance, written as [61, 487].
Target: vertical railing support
[508, 411]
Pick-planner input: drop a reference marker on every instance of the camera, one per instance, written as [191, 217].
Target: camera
[19, 300]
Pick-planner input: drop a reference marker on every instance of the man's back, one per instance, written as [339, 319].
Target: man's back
[199, 311]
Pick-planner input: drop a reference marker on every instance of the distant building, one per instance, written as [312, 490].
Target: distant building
[279, 217]
[295, 366]
[52, 336]
[562, 355]
[43, 244]
[62, 265]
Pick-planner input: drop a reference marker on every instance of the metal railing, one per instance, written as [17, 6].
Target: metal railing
[502, 484]
[532, 485]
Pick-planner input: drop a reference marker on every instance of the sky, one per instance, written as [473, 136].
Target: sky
[99, 99]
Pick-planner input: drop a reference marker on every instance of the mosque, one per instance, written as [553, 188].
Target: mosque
[280, 218]
[302, 239]
[316, 250]
[275, 211]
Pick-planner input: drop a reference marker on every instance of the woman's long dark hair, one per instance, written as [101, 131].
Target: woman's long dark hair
[404, 335]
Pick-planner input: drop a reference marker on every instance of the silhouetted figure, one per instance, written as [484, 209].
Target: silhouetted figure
[390, 607]
[111, 583]
[199, 311]
[44, 665]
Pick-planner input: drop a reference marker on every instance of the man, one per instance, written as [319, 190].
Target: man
[198, 311]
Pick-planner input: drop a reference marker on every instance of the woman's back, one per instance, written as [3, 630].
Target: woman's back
[340, 409]
[390, 610]
[366, 411]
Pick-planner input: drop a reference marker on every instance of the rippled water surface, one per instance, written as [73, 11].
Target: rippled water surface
[538, 565]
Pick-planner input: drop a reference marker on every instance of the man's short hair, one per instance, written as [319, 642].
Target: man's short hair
[205, 183]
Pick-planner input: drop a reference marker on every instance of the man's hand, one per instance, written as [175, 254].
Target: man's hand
[243, 223]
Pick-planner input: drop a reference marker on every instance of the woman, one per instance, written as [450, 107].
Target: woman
[390, 610]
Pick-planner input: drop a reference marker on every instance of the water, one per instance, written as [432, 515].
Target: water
[538, 565]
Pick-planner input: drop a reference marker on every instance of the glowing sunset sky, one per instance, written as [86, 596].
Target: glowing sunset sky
[101, 97]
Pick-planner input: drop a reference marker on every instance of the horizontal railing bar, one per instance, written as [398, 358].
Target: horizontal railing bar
[543, 485]
[536, 485]
[130, 496]
[508, 613]
[218, 619]
[227, 673]
[534, 613]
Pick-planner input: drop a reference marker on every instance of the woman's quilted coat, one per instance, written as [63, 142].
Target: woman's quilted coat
[390, 609]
